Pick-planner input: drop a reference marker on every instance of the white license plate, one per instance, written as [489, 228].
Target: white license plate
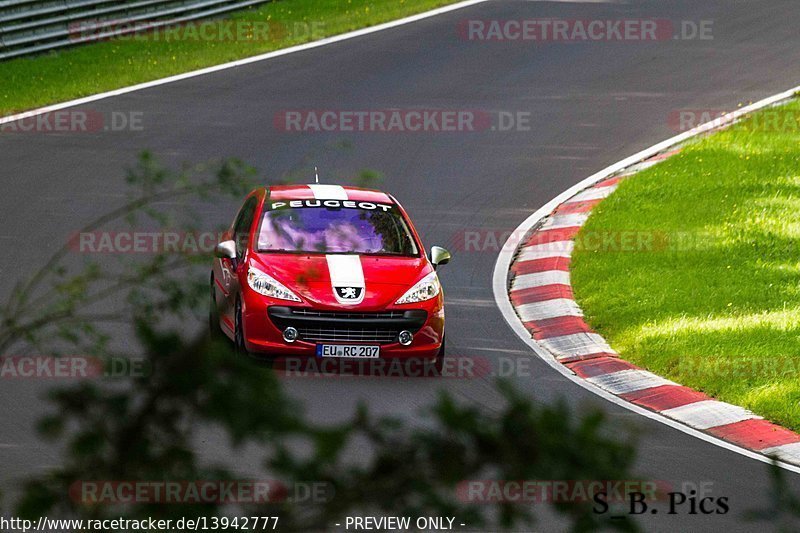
[355, 351]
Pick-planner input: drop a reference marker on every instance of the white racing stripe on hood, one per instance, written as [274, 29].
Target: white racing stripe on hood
[346, 273]
[328, 192]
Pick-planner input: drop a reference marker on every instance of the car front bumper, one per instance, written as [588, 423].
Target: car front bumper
[264, 324]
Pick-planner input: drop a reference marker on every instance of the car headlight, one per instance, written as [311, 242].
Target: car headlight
[265, 284]
[425, 289]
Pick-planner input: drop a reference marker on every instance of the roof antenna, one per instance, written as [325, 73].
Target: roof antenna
[316, 174]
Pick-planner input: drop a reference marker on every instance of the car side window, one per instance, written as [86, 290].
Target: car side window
[241, 228]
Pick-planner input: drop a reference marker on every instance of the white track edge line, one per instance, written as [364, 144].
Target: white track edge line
[504, 258]
[240, 62]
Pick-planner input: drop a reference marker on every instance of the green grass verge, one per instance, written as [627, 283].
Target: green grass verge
[710, 297]
[98, 67]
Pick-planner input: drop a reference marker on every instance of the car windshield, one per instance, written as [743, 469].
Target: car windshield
[333, 226]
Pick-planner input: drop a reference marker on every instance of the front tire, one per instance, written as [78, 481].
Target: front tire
[238, 333]
[437, 366]
[214, 327]
[238, 337]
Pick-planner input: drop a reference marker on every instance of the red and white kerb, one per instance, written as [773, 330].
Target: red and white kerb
[541, 294]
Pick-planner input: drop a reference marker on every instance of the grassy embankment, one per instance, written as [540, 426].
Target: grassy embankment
[712, 298]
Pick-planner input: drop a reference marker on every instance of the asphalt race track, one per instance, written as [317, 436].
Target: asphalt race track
[590, 104]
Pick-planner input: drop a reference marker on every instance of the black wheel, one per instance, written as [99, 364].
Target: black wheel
[214, 330]
[238, 337]
[437, 366]
[440, 357]
[238, 334]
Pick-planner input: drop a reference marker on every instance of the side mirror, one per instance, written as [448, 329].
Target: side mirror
[225, 250]
[439, 256]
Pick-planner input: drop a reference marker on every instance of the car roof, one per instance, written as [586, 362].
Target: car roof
[327, 192]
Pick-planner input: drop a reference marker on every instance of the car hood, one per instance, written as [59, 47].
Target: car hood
[377, 281]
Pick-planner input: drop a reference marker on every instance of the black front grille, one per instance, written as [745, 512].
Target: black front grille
[347, 327]
[352, 335]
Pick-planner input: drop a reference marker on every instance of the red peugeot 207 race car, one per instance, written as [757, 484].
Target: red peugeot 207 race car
[327, 271]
